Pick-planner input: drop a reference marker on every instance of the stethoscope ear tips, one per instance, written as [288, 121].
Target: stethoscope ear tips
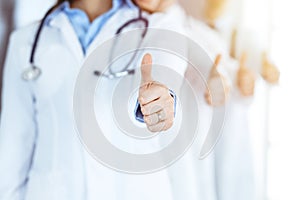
[31, 73]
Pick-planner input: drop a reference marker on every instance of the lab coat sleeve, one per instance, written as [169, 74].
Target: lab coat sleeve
[17, 129]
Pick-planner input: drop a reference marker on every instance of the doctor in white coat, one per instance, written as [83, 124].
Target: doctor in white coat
[40, 154]
[220, 174]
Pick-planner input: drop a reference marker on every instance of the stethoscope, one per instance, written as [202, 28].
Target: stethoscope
[33, 72]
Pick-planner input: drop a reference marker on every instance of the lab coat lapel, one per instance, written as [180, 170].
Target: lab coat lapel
[69, 35]
[109, 29]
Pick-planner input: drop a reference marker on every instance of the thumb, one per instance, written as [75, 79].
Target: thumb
[217, 61]
[243, 60]
[214, 71]
[146, 68]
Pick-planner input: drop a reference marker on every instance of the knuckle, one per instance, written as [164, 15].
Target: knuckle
[168, 95]
[141, 99]
[146, 110]
[146, 119]
[159, 88]
[143, 110]
[165, 90]
[165, 101]
[151, 129]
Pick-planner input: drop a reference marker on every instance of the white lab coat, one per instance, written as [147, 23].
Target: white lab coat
[40, 154]
[198, 176]
[234, 167]
[228, 172]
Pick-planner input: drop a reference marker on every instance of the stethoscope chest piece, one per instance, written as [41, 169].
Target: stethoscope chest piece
[32, 73]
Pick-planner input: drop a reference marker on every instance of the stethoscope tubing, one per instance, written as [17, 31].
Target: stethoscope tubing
[37, 35]
[34, 72]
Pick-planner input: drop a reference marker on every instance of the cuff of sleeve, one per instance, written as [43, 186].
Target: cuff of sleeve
[139, 115]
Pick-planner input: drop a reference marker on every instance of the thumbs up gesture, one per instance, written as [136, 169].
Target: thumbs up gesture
[157, 104]
[269, 71]
[245, 78]
[218, 89]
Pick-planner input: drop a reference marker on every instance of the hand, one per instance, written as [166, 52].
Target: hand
[218, 90]
[269, 71]
[157, 105]
[245, 78]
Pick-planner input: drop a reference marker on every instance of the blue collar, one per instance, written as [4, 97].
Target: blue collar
[65, 6]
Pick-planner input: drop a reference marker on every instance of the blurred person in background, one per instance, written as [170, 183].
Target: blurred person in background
[232, 168]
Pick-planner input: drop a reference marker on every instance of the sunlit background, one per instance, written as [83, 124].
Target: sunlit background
[270, 26]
